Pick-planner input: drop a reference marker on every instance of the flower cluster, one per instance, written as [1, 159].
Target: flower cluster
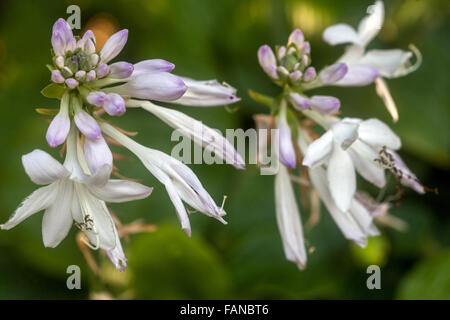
[76, 192]
[348, 145]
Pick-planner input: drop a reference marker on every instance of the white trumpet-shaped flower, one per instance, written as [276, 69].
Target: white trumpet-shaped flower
[348, 145]
[388, 63]
[180, 182]
[194, 130]
[71, 196]
[288, 219]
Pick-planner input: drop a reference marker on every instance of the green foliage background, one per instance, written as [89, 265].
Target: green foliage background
[218, 39]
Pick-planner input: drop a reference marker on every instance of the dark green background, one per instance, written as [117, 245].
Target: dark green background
[219, 39]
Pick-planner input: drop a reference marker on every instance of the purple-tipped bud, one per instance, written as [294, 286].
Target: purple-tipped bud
[333, 73]
[97, 98]
[120, 70]
[87, 125]
[59, 61]
[95, 59]
[97, 153]
[295, 76]
[152, 65]
[57, 76]
[114, 45]
[114, 104]
[87, 43]
[91, 75]
[72, 83]
[310, 74]
[58, 44]
[62, 28]
[102, 70]
[296, 37]
[359, 76]
[325, 104]
[306, 47]
[71, 45]
[281, 52]
[287, 151]
[58, 129]
[267, 61]
[161, 86]
[299, 102]
[80, 75]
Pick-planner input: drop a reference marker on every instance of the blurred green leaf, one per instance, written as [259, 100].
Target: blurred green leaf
[167, 264]
[53, 90]
[430, 279]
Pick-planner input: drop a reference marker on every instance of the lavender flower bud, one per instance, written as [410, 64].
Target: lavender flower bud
[102, 70]
[325, 104]
[57, 76]
[97, 153]
[295, 76]
[114, 104]
[72, 83]
[310, 74]
[287, 151]
[58, 129]
[120, 70]
[91, 75]
[87, 125]
[267, 61]
[333, 73]
[299, 102]
[97, 98]
[80, 75]
[296, 37]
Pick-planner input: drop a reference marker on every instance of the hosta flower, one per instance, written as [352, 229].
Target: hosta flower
[90, 84]
[347, 147]
[387, 63]
[69, 196]
[180, 182]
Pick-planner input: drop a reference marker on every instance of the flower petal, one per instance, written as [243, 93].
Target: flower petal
[345, 133]
[319, 150]
[195, 130]
[120, 70]
[296, 37]
[57, 219]
[97, 153]
[389, 63]
[152, 65]
[42, 168]
[363, 158]
[378, 134]
[371, 25]
[87, 125]
[267, 61]
[103, 233]
[333, 73]
[340, 33]
[161, 86]
[114, 104]
[341, 178]
[117, 256]
[58, 129]
[358, 75]
[325, 104]
[114, 45]
[120, 191]
[207, 93]
[345, 221]
[299, 102]
[39, 200]
[287, 151]
[288, 219]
